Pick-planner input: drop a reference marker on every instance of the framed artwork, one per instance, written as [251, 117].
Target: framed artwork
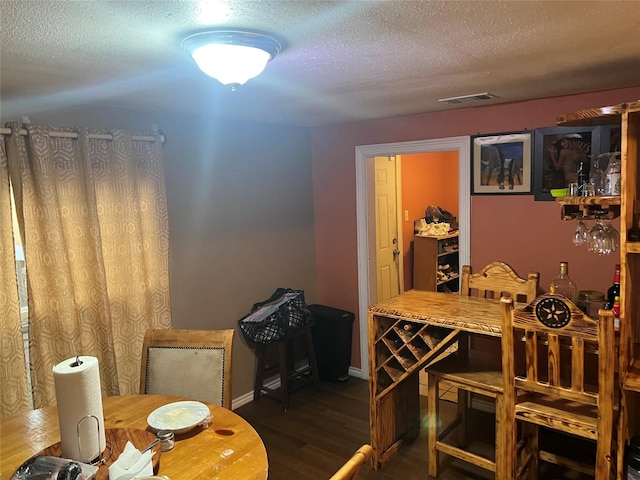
[501, 163]
[557, 153]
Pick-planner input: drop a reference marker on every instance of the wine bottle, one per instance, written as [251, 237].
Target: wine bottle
[634, 232]
[616, 315]
[563, 284]
[614, 289]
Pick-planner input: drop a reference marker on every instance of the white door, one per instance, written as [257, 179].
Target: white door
[387, 241]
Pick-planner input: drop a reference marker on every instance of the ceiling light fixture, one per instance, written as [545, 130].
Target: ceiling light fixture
[231, 56]
[476, 97]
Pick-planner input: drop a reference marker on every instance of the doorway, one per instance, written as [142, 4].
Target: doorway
[365, 213]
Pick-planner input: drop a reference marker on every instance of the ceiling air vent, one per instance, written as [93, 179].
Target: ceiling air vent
[476, 97]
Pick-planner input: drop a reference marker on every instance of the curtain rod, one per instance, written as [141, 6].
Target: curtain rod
[99, 136]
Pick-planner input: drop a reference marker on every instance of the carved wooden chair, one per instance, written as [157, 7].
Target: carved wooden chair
[188, 363]
[549, 385]
[349, 471]
[471, 374]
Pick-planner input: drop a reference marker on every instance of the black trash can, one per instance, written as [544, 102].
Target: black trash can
[332, 332]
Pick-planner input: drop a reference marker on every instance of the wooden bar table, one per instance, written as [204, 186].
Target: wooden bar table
[406, 333]
[228, 449]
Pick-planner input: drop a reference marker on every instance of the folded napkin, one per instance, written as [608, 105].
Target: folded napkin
[131, 464]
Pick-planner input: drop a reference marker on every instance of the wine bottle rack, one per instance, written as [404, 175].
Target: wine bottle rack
[402, 347]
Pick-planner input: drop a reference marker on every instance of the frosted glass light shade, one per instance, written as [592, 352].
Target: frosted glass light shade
[231, 64]
[231, 56]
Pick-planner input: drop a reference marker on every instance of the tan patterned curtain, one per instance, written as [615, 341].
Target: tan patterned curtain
[14, 394]
[95, 228]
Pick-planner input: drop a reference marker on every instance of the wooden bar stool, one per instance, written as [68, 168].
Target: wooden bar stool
[472, 375]
[291, 379]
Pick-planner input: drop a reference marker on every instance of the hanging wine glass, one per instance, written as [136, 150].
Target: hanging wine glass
[616, 239]
[581, 234]
[609, 238]
[594, 239]
[605, 239]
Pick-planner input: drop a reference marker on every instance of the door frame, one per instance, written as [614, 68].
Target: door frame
[366, 255]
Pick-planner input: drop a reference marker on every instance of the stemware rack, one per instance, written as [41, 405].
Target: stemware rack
[589, 208]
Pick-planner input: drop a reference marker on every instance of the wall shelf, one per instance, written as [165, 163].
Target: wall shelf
[611, 115]
[633, 247]
[589, 208]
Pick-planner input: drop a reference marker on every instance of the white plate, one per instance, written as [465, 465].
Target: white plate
[179, 417]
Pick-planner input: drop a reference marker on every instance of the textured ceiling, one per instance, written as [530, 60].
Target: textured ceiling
[341, 61]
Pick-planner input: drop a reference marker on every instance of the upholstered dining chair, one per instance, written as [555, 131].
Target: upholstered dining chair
[550, 386]
[350, 470]
[188, 363]
[472, 374]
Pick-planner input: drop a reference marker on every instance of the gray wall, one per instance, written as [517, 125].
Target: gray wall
[241, 218]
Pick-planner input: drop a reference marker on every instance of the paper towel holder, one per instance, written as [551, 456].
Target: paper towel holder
[102, 456]
[77, 363]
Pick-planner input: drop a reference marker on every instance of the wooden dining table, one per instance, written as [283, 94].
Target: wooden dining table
[228, 448]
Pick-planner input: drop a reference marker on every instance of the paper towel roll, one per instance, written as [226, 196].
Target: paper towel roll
[79, 399]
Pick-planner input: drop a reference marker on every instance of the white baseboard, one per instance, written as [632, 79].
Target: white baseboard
[248, 397]
[242, 400]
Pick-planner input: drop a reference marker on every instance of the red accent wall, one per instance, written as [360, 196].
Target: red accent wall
[527, 234]
[427, 179]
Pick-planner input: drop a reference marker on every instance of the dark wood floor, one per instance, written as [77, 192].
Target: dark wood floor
[324, 426]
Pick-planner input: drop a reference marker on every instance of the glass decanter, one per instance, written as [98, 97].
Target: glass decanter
[612, 175]
[563, 284]
[596, 175]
